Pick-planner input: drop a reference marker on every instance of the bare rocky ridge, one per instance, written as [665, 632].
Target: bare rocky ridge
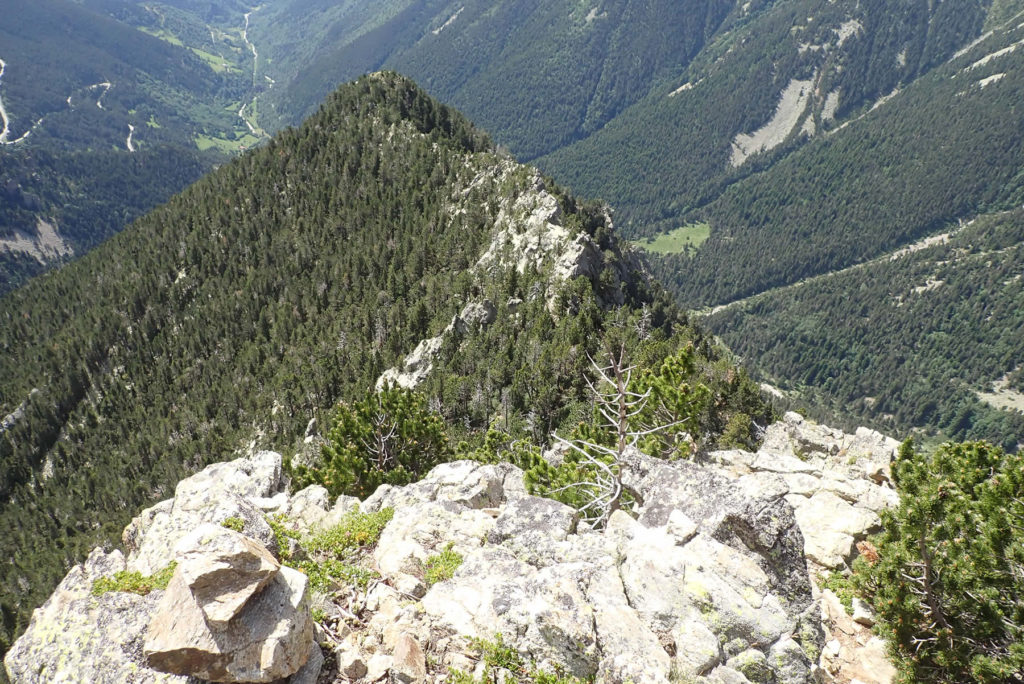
[712, 576]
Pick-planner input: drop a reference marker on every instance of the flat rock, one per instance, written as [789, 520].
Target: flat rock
[223, 569]
[268, 640]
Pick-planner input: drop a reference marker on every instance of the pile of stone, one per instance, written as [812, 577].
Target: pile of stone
[230, 613]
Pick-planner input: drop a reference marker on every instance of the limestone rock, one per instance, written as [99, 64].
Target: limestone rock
[218, 492]
[724, 512]
[837, 483]
[309, 506]
[77, 637]
[223, 570]
[351, 664]
[534, 516]
[268, 640]
[709, 580]
[409, 665]
[476, 315]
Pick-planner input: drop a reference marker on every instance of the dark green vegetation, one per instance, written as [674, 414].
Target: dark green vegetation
[82, 90]
[915, 342]
[389, 437]
[335, 554]
[539, 75]
[888, 125]
[504, 664]
[948, 583]
[664, 160]
[285, 281]
[134, 582]
[945, 149]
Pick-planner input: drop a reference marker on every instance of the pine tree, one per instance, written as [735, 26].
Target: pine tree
[948, 584]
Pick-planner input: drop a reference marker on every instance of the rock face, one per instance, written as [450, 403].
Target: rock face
[230, 612]
[836, 483]
[706, 580]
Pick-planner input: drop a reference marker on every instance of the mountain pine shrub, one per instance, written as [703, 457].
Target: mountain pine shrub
[388, 437]
[657, 412]
[948, 584]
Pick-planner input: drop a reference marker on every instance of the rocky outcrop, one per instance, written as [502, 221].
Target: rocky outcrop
[836, 483]
[78, 637]
[706, 579]
[529, 235]
[646, 597]
[229, 613]
[417, 365]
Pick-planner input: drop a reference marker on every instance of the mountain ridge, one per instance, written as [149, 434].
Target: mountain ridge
[290, 279]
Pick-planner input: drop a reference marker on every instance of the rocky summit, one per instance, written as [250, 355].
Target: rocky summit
[712, 576]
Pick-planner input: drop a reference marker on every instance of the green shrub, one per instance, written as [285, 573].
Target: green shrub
[282, 533]
[355, 531]
[840, 585]
[234, 523]
[948, 584]
[389, 437]
[496, 657]
[442, 566]
[134, 582]
[324, 575]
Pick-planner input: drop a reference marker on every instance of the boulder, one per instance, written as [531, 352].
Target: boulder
[221, 491]
[269, 639]
[409, 665]
[223, 570]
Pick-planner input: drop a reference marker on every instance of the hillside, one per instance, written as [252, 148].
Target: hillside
[539, 75]
[765, 144]
[292, 278]
[942, 152]
[101, 122]
[949, 358]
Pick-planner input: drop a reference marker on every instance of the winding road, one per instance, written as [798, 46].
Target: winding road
[253, 128]
[6, 132]
[3, 112]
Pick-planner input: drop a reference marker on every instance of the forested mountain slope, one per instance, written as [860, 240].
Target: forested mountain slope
[540, 75]
[942, 152]
[785, 74]
[929, 339]
[100, 123]
[291, 278]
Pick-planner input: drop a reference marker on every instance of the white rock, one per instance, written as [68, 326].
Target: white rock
[862, 613]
